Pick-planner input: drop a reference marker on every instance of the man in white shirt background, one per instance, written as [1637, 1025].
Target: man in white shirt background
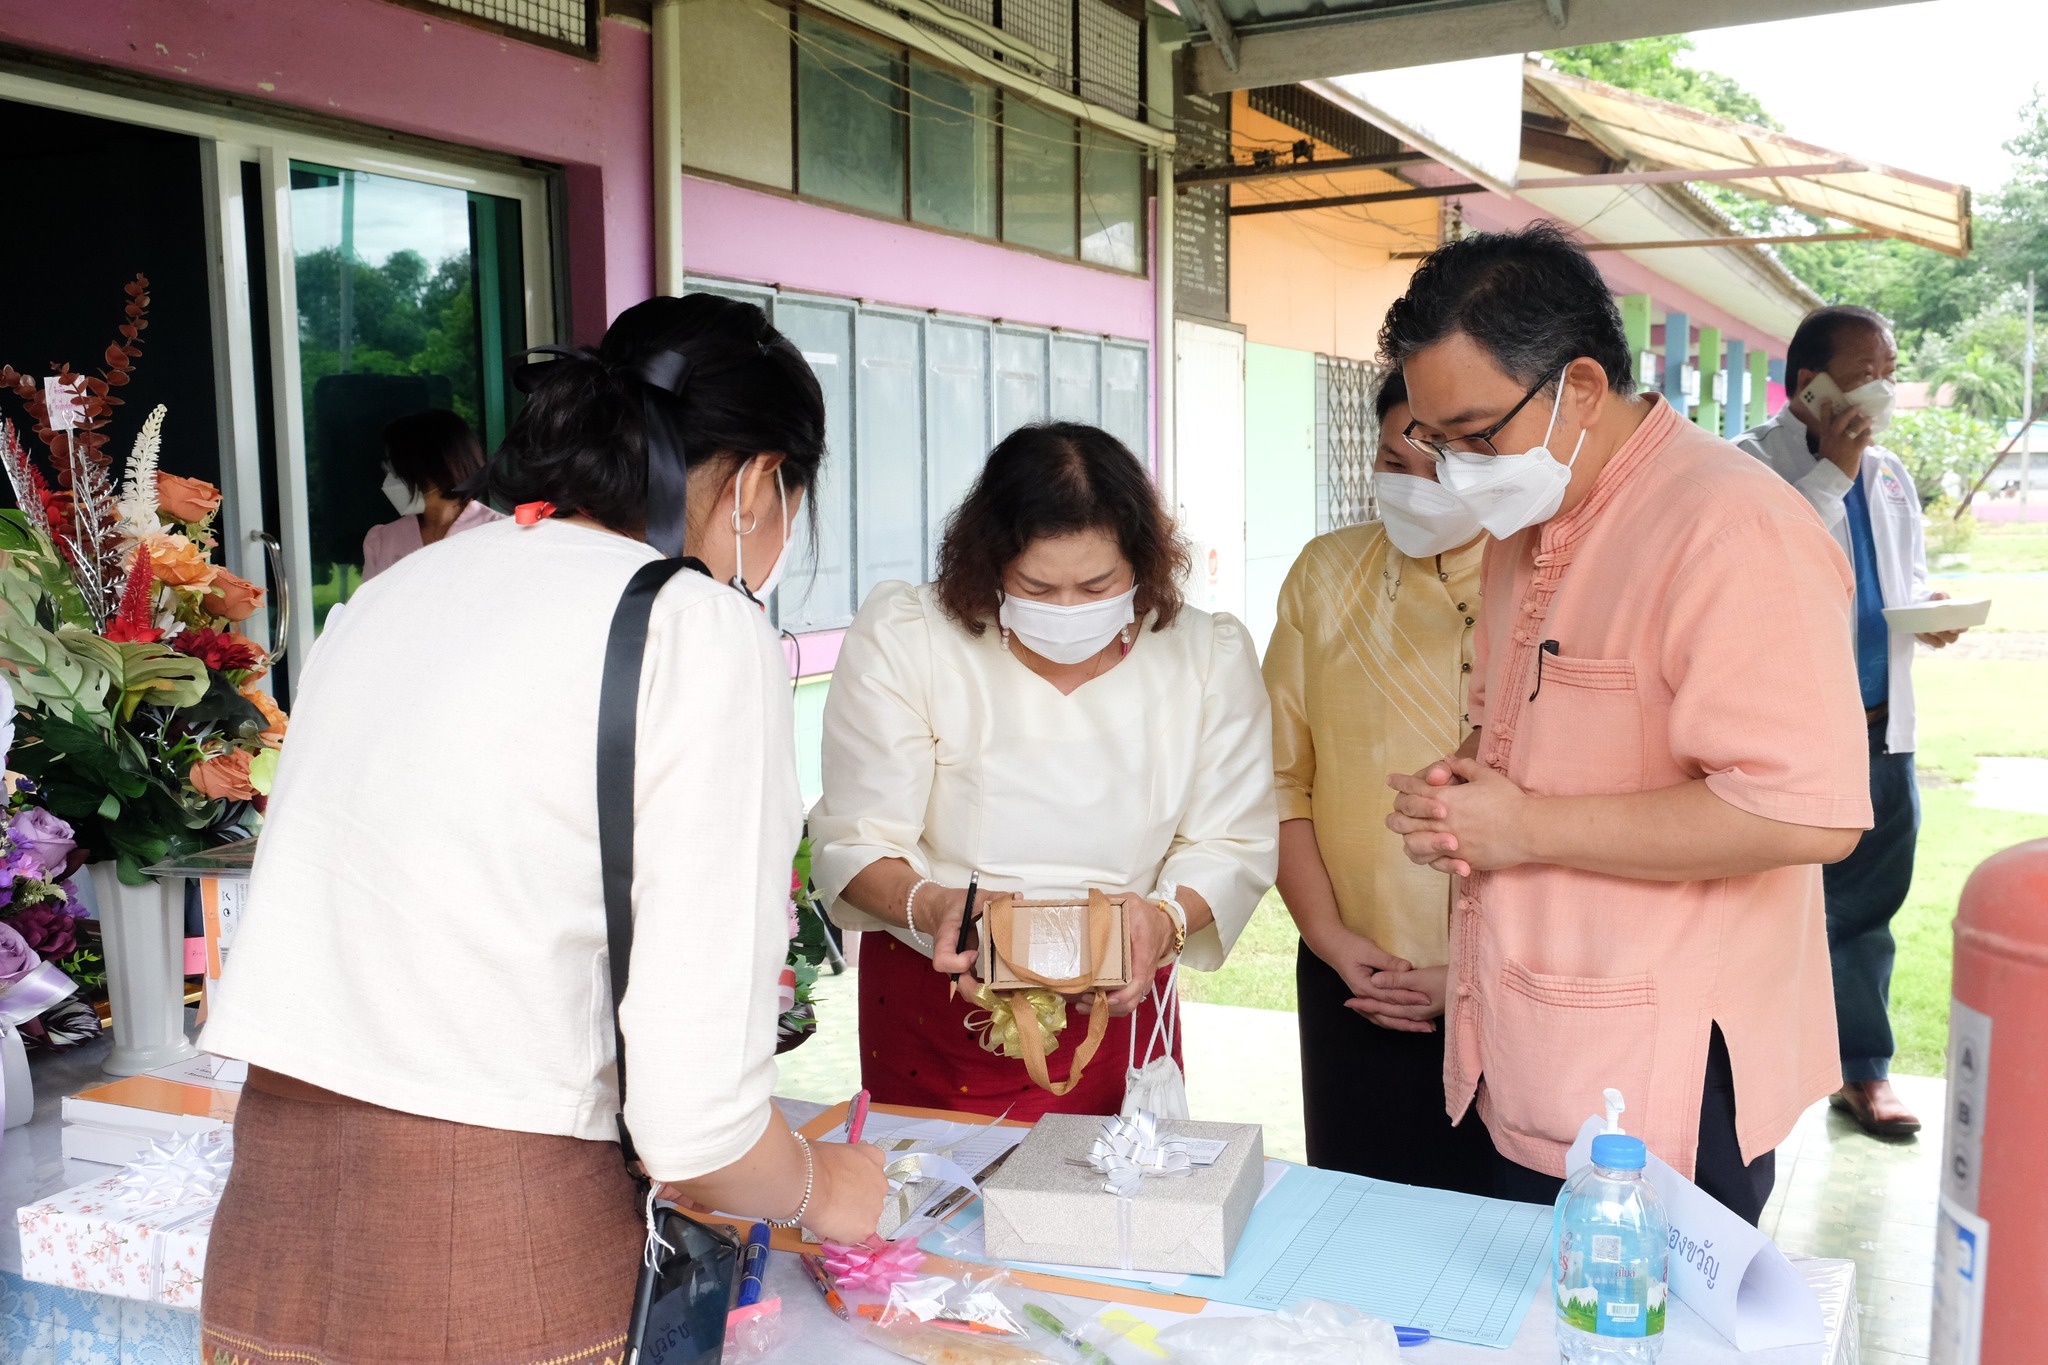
[1844, 359]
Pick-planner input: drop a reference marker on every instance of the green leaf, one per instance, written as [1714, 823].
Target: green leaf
[44, 672]
[110, 809]
[263, 771]
[141, 672]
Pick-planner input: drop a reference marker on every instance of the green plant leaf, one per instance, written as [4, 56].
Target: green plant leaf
[45, 673]
[141, 672]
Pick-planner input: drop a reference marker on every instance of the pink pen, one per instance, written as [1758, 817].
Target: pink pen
[857, 1116]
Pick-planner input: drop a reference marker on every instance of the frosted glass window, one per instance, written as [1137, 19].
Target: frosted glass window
[1124, 396]
[956, 419]
[1076, 380]
[952, 152]
[1020, 380]
[889, 475]
[850, 124]
[1112, 201]
[817, 589]
[1038, 179]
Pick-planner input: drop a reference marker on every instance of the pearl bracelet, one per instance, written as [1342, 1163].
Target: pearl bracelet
[910, 914]
[810, 1183]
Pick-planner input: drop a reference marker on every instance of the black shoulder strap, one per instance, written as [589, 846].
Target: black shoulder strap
[618, 725]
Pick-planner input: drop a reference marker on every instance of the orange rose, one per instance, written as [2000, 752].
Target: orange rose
[232, 596]
[273, 718]
[178, 562]
[225, 778]
[186, 500]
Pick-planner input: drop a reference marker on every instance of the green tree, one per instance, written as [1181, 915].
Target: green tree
[1986, 385]
[1945, 449]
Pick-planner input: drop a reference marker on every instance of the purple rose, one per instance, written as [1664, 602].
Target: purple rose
[41, 834]
[47, 929]
[17, 959]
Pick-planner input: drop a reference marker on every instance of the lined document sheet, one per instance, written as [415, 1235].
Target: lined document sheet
[1464, 1267]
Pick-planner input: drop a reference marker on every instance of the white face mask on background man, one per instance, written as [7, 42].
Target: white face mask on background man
[1068, 635]
[1875, 401]
[1509, 492]
[1422, 517]
[408, 501]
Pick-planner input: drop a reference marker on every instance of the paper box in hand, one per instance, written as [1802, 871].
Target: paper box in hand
[1048, 1204]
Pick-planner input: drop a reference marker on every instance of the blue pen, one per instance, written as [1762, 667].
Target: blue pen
[753, 1265]
[1411, 1336]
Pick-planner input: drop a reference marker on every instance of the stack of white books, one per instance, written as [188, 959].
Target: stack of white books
[115, 1122]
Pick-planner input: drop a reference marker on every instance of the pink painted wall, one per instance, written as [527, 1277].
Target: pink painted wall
[401, 69]
[764, 238]
[1493, 213]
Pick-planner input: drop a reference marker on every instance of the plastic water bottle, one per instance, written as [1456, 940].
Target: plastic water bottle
[1612, 1259]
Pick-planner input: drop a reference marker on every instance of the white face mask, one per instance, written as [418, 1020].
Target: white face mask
[402, 495]
[739, 563]
[1509, 492]
[1422, 517]
[1875, 401]
[1067, 635]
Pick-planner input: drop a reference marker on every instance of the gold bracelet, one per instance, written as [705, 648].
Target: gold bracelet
[1179, 915]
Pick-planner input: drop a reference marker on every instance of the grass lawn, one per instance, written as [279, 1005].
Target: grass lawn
[1968, 708]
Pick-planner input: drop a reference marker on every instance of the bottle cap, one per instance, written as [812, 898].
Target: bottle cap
[1619, 1152]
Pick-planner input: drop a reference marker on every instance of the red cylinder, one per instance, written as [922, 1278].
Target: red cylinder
[1991, 1258]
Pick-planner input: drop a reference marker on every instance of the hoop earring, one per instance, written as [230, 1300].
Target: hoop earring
[748, 529]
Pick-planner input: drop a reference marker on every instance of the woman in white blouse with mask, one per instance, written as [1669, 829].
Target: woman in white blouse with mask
[1050, 715]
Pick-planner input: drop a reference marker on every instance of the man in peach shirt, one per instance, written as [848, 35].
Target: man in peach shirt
[1668, 741]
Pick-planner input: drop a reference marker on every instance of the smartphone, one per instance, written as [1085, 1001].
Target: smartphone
[1821, 389]
[680, 1304]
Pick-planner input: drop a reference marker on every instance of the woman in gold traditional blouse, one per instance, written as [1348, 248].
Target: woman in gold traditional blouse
[1367, 671]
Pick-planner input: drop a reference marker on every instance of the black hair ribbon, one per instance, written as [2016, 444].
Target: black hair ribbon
[668, 475]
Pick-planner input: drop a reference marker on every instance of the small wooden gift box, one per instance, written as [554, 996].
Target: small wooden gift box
[1073, 945]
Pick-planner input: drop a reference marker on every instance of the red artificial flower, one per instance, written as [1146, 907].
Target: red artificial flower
[222, 650]
[131, 623]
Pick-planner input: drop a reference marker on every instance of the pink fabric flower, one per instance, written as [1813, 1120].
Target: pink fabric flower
[875, 1266]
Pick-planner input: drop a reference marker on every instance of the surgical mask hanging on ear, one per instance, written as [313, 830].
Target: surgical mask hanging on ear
[1509, 492]
[404, 498]
[1422, 517]
[739, 578]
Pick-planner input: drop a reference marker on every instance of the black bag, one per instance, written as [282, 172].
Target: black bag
[691, 1270]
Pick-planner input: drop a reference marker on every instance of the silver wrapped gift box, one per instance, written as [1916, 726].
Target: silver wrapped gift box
[1048, 1204]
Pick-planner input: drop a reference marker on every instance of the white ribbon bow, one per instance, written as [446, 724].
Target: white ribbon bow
[177, 1172]
[1129, 1148]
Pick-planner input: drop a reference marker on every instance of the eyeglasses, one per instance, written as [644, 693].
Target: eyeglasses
[1478, 442]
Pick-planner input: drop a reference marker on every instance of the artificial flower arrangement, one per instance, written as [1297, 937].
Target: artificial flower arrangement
[809, 946]
[139, 719]
[42, 919]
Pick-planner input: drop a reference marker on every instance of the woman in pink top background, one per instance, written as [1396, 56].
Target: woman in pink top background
[427, 456]
[1667, 743]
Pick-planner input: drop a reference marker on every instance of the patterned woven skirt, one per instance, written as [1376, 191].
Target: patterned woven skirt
[350, 1234]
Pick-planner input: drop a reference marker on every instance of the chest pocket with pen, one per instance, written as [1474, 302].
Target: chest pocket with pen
[1581, 730]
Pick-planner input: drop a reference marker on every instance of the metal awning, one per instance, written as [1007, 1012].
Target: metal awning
[1248, 43]
[1664, 137]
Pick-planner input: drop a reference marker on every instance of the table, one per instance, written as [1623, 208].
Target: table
[811, 1332]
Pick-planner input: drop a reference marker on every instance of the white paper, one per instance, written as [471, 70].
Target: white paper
[1721, 1267]
[1961, 1247]
[1205, 1151]
[1925, 617]
[973, 1147]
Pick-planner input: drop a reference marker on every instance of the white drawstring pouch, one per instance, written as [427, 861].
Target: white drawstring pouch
[1157, 1084]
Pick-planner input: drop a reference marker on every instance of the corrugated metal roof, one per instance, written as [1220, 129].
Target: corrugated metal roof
[1656, 134]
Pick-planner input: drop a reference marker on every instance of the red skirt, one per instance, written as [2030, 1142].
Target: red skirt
[916, 1048]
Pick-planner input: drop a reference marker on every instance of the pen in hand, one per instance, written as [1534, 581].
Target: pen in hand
[966, 929]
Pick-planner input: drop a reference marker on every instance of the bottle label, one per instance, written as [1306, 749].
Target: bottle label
[1606, 1248]
[1618, 1319]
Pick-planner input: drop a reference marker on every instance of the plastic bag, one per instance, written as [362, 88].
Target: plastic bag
[1312, 1332]
[977, 1318]
[1156, 1084]
[753, 1332]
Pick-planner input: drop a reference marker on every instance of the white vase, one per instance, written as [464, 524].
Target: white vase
[142, 930]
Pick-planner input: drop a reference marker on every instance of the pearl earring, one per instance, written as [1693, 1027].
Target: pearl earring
[1006, 637]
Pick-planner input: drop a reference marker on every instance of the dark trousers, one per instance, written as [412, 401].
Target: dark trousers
[1374, 1098]
[1718, 1168]
[1864, 891]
